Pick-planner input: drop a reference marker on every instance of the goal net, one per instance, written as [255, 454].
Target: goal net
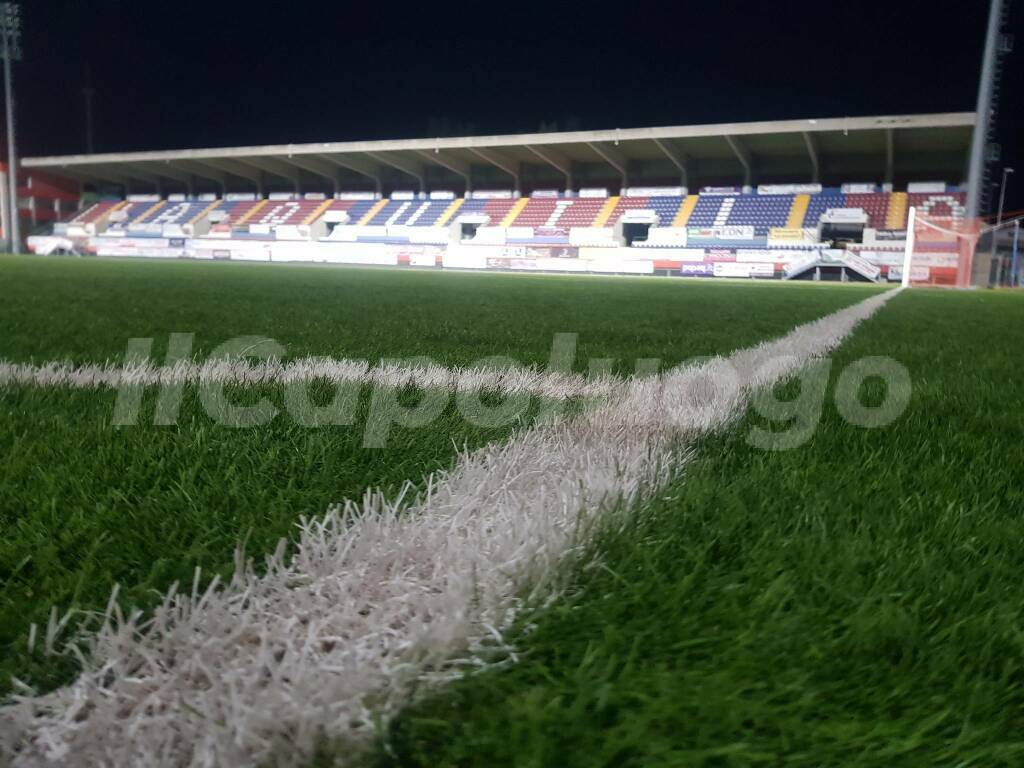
[940, 248]
[945, 248]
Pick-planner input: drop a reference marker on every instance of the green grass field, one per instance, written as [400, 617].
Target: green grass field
[86, 505]
[856, 600]
[86, 310]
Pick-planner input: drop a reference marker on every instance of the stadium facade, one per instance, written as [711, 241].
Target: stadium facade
[826, 198]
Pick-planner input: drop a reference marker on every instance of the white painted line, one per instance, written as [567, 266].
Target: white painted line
[380, 592]
[553, 385]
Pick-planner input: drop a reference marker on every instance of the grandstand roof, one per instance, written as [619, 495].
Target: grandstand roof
[882, 148]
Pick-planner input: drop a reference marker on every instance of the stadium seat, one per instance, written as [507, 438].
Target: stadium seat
[495, 208]
[821, 202]
[874, 204]
[536, 213]
[285, 212]
[666, 208]
[131, 212]
[175, 213]
[94, 212]
[578, 212]
[626, 204]
[762, 212]
[550, 218]
[948, 204]
[706, 213]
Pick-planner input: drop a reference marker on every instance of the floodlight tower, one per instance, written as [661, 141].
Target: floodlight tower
[996, 44]
[10, 49]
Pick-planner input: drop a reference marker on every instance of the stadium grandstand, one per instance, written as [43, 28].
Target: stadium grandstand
[796, 199]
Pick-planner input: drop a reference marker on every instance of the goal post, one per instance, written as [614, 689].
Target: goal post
[940, 249]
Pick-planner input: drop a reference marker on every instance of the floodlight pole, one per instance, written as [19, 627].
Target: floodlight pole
[10, 27]
[983, 111]
[999, 222]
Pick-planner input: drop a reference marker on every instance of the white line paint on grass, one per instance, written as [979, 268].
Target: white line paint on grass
[377, 593]
[511, 380]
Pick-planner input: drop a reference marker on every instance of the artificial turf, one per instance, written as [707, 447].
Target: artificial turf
[85, 310]
[854, 601]
[85, 504]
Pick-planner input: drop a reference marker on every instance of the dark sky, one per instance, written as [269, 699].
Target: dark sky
[201, 74]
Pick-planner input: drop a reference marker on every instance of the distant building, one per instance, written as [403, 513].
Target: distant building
[43, 199]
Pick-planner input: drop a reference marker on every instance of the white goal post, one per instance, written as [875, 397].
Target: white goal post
[939, 250]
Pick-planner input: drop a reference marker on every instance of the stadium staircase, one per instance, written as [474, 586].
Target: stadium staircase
[450, 211]
[611, 204]
[152, 211]
[370, 214]
[798, 212]
[204, 212]
[896, 216]
[512, 213]
[682, 218]
[250, 213]
[318, 212]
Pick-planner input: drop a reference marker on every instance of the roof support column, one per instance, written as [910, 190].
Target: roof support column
[502, 162]
[357, 165]
[744, 157]
[241, 170]
[453, 164]
[410, 169]
[318, 168]
[614, 158]
[678, 159]
[556, 160]
[197, 170]
[812, 151]
[276, 167]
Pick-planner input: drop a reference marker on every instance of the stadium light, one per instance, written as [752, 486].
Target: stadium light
[10, 50]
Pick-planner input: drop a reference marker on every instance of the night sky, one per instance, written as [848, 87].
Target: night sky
[204, 74]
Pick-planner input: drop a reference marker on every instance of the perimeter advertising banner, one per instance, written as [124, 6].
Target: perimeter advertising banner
[670, 236]
[738, 269]
[764, 255]
[889, 258]
[791, 236]
[721, 262]
[157, 247]
[711, 235]
[460, 256]
[885, 238]
[696, 269]
[788, 189]
[546, 259]
[917, 274]
[863, 266]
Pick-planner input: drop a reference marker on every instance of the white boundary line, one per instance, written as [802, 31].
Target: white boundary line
[380, 592]
[548, 384]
